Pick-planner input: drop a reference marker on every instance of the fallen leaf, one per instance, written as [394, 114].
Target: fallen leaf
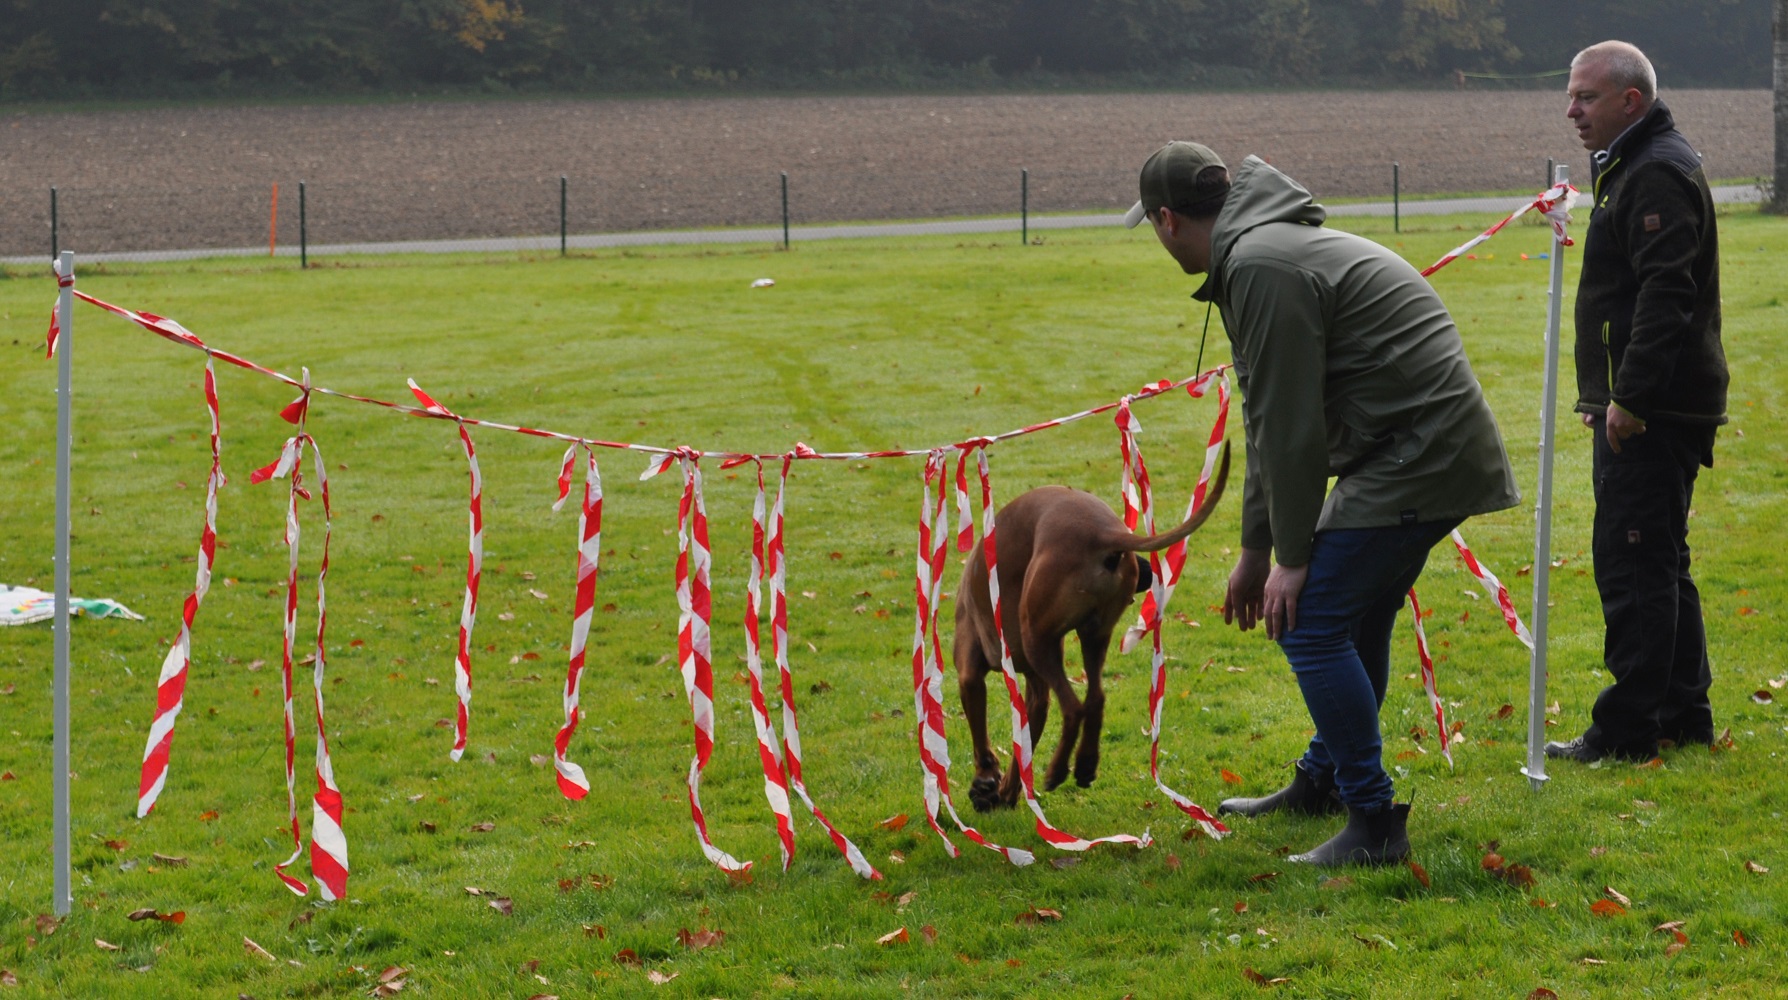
[117, 845]
[1492, 862]
[1173, 862]
[390, 989]
[893, 822]
[46, 924]
[596, 931]
[627, 956]
[1336, 882]
[1762, 697]
[503, 905]
[1260, 980]
[1755, 868]
[897, 857]
[658, 978]
[176, 917]
[539, 760]
[697, 940]
[1739, 938]
[1607, 908]
[1671, 949]
[1519, 876]
[1263, 877]
[1504, 712]
[1597, 851]
[1591, 961]
[171, 862]
[1421, 874]
[1230, 777]
[472, 890]
[538, 595]
[257, 951]
[741, 877]
[893, 937]
[484, 827]
[8, 979]
[393, 972]
[1542, 993]
[1615, 894]
[208, 815]
[104, 945]
[929, 933]
[905, 900]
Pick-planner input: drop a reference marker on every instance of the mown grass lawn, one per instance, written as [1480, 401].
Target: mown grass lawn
[860, 344]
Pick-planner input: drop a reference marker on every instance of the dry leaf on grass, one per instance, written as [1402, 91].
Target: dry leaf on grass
[1241, 906]
[1762, 696]
[1173, 862]
[503, 905]
[1336, 882]
[1033, 915]
[894, 937]
[898, 857]
[1260, 980]
[627, 956]
[1755, 869]
[1421, 874]
[170, 861]
[1607, 908]
[208, 815]
[484, 827]
[658, 978]
[46, 924]
[390, 989]
[741, 877]
[1738, 938]
[103, 945]
[6, 976]
[596, 931]
[697, 940]
[1263, 877]
[1229, 777]
[893, 822]
[393, 972]
[1591, 961]
[1542, 993]
[176, 917]
[929, 933]
[544, 996]
[1616, 895]
[256, 950]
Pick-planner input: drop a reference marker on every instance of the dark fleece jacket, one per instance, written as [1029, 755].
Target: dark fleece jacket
[1648, 300]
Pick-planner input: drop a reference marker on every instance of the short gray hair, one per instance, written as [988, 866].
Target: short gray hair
[1625, 65]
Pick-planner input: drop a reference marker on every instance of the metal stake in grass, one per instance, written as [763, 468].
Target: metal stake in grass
[303, 233]
[1024, 206]
[562, 186]
[55, 249]
[64, 898]
[785, 210]
[1396, 198]
[1542, 536]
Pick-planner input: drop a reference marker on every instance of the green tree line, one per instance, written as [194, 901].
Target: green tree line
[137, 47]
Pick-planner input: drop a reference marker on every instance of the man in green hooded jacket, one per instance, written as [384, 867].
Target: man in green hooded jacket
[1350, 367]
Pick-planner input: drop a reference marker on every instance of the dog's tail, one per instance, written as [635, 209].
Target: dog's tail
[1152, 543]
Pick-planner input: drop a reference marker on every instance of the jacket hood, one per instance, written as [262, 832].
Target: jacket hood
[1258, 194]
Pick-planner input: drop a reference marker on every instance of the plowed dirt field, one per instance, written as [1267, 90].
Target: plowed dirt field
[173, 178]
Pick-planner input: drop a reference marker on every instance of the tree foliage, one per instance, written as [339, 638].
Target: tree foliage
[126, 47]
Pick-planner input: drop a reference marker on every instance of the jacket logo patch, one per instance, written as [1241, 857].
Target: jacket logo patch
[1633, 537]
[1653, 223]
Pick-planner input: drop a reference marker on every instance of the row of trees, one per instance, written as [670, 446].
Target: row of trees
[128, 47]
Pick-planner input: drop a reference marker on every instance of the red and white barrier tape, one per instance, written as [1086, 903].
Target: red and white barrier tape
[1440, 712]
[54, 336]
[1174, 558]
[1021, 727]
[775, 781]
[571, 779]
[694, 649]
[1498, 592]
[328, 845]
[1139, 514]
[776, 559]
[1554, 203]
[468, 615]
[928, 664]
[170, 687]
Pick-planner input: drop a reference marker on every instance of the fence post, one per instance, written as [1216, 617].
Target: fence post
[562, 187]
[785, 210]
[55, 235]
[1024, 205]
[303, 233]
[1396, 197]
[1551, 169]
[64, 896]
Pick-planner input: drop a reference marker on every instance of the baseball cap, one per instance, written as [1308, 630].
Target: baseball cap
[1170, 178]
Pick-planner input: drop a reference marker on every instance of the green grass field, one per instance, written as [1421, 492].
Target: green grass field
[861, 344]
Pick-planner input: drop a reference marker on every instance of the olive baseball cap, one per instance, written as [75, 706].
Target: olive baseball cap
[1170, 178]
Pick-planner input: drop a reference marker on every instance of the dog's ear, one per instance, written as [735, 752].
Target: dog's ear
[1145, 577]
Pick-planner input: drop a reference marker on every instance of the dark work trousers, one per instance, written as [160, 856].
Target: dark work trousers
[1655, 645]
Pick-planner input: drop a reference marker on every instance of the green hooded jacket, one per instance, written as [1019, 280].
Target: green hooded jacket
[1349, 366]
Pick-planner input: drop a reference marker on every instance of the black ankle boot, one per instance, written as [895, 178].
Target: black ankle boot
[1379, 838]
[1308, 795]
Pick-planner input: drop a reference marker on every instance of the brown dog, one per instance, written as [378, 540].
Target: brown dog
[1067, 564]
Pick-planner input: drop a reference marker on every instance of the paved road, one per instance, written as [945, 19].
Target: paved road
[1733, 194]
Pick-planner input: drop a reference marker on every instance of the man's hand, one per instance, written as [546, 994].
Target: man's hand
[1247, 587]
[1622, 425]
[1283, 585]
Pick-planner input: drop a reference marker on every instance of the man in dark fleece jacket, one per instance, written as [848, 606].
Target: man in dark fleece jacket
[1651, 378]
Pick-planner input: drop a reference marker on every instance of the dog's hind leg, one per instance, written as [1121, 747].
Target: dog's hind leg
[971, 685]
[1044, 654]
[1094, 644]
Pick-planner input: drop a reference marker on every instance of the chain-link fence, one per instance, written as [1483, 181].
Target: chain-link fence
[149, 221]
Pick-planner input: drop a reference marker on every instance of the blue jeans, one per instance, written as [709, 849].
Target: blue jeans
[1341, 648]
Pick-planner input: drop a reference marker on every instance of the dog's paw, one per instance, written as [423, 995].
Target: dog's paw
[984, 794]
[1054, 779]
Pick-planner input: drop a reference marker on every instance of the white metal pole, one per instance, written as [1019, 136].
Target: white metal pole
[64, 900]
[1542, 536]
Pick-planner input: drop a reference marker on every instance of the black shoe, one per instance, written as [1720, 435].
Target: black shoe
[1308, 795]
[1579, 750]
[1379, 838]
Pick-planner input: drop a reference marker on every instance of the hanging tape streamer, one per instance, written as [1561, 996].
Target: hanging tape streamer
[1440, 714]
[468, 615]
[573, 784]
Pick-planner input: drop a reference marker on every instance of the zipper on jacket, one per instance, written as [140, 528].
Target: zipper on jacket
[1608, 354]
